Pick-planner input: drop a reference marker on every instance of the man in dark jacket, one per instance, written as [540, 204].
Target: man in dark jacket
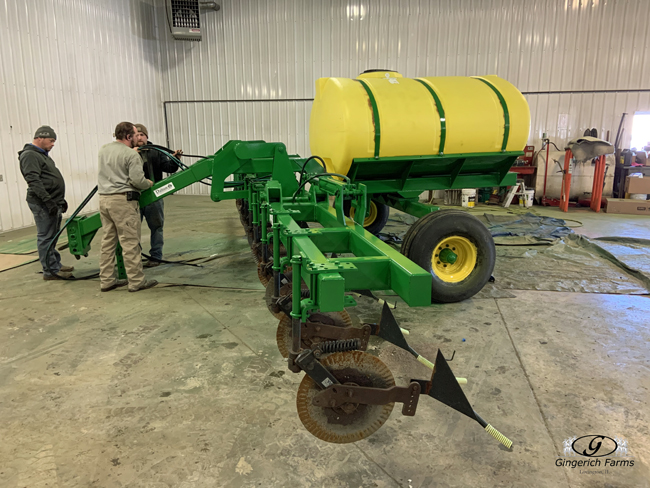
[46, 199]
[154, 164]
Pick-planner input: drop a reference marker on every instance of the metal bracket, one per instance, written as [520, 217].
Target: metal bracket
[314, 369]
[330, 267]
[339, 395]
[333, 332]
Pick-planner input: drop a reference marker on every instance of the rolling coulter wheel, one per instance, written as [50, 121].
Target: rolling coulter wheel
[350, 422]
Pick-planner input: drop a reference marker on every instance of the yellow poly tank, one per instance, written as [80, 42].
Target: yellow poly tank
[383, 114]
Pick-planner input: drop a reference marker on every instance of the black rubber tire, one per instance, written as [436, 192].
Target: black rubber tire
[415, 228]
[440, 225]
[383, 211]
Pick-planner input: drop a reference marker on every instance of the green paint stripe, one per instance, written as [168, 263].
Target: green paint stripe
[441, 112]
[375, 116]
[506, 114]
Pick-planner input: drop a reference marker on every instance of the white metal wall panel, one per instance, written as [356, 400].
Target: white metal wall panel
[276, 49]
[276, 121]
[255, 49]
[81, 67]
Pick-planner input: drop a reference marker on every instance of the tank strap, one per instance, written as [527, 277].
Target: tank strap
[375, 115]
[506, 114]
[441, 113]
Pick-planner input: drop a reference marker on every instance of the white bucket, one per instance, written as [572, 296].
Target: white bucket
[469, 198]
[638, 196]
[526, 200]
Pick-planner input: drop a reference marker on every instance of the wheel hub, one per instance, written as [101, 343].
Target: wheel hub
[454, 259]
[448, 256]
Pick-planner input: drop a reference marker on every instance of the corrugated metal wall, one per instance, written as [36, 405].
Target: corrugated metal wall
[276, 50]
[81, 67]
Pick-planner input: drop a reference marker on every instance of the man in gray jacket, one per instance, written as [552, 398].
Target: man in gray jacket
[121, 179]
[46, 199]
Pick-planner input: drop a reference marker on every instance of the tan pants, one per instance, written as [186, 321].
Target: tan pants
[121, 223]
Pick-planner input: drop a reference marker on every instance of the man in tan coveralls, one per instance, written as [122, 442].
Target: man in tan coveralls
[121, 179]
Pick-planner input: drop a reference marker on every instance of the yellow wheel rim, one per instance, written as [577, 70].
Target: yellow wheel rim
[372, 214]
[454, 259]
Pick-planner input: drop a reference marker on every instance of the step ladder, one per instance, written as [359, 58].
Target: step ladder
[519, 189]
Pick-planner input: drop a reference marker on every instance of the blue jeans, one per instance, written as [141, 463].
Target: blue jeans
[47, 227]
[154, 213]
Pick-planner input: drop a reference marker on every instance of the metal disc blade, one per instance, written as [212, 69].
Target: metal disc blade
[263, 271]
[350, 422]
[256, 250]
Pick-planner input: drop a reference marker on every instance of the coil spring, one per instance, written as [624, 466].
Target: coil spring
[339, 346]
[304, 294]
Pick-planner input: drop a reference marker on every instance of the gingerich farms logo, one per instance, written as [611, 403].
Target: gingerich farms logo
[599, 453]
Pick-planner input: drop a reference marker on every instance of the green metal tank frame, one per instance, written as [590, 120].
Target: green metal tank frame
[399, 181]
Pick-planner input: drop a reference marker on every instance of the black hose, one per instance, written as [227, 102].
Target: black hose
[300, 187]
[58, 234]
[185, 263]
[193, 156]
[171, 151]
[317, 158]
[167, 152]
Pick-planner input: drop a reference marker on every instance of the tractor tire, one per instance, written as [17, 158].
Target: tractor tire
[458, 251]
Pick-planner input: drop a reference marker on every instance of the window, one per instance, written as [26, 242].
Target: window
[640, 130]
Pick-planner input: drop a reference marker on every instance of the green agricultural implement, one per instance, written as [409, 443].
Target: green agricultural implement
[379, 141]
[294, 232]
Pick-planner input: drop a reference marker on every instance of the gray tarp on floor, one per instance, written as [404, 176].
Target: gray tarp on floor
[566, 261]
[525, 229]
[574, 264]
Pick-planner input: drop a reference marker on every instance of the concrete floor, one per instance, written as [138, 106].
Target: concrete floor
[183, 386]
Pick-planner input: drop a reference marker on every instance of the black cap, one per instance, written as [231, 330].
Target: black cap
[45, 131]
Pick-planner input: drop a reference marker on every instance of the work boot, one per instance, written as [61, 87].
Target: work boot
[151, 264]
[67, 269]
[62, 275]
[117, 284]
[146, 285]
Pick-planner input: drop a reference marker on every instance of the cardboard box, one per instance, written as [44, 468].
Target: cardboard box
[625, 206]
[637, 185]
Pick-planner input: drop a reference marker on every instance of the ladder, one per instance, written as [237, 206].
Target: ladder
[518, 189]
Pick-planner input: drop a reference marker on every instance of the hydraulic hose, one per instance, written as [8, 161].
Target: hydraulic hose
[58, 234]
[185, 263]
[169, 153]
